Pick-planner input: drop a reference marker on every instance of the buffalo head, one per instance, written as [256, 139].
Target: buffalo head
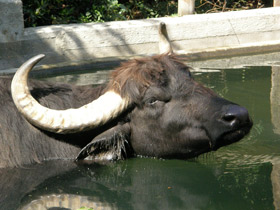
[151, 106]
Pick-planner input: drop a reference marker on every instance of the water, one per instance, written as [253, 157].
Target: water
[245, 175]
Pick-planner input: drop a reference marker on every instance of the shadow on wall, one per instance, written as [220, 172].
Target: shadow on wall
[73, 44]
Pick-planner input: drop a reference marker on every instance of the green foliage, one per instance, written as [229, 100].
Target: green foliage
[207, 6]
[47, 12]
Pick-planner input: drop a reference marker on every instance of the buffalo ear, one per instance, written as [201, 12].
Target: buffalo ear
[109, 145]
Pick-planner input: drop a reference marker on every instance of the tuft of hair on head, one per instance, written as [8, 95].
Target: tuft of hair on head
[133, 77]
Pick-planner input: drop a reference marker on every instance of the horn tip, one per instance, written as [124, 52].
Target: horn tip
[41, 56]
[161, 27]
[36, 58]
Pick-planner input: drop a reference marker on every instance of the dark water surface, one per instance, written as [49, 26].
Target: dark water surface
[245, 175]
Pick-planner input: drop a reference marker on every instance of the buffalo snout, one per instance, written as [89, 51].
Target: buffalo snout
[236, 116]
[233, 124]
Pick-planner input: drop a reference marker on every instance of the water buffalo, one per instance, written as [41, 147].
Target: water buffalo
[151, 107]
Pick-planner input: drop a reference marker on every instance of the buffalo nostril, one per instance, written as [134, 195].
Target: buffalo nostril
[235, 115]
[229, 118]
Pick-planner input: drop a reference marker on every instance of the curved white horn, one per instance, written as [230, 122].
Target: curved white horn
[164, 42]
[94, 114]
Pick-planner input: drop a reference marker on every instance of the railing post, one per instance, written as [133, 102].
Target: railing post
[186, 7]
[276, 3]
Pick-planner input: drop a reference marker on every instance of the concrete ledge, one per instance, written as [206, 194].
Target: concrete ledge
[11, 20]
[197, 36]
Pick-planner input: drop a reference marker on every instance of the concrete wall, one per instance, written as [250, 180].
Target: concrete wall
[11, 20]
[197, 36]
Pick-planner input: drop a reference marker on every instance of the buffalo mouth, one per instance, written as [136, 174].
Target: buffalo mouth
[232, 136]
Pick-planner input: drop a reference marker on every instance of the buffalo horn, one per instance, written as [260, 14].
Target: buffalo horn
[164, 42]
[96, 113]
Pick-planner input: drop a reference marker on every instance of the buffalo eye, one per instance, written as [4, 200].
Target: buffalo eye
[152, 101]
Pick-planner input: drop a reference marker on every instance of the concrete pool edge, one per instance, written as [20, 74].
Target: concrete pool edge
[220, 58]
[195, 37]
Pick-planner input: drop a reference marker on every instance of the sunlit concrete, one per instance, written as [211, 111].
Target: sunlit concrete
[196, 36]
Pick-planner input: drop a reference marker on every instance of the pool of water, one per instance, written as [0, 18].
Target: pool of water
[245, 175]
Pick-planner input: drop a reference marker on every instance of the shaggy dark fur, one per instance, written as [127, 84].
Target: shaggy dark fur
[171, 116]
[132, 78]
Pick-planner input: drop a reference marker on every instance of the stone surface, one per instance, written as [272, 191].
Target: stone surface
[11, 20]
[196, 36]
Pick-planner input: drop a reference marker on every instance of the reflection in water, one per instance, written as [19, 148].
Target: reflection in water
[275, 180]
[275, 118]
[16, 183]
[244, 175]
[262, 146]
[65, 201]
[275, 98]
[156, 184]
